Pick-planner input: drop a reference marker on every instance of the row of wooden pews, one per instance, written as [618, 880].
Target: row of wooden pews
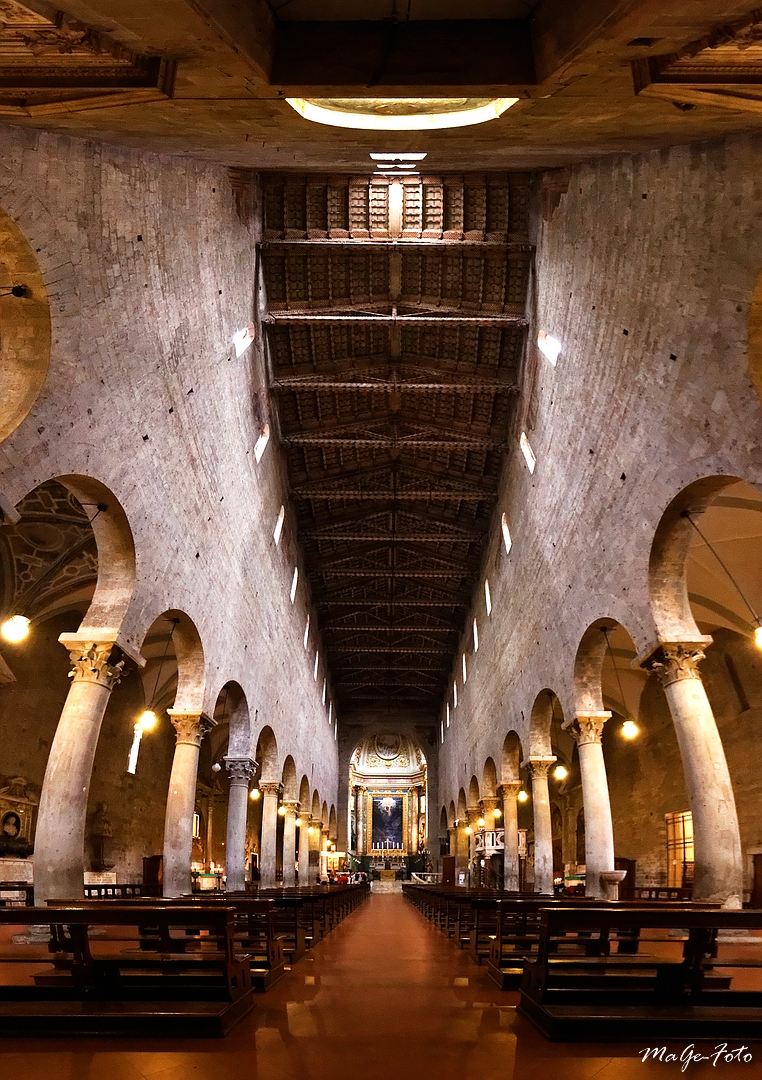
[146, 966]
[592, 970]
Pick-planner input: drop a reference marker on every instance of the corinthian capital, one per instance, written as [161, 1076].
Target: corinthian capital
[240, 770]
[190, 727]
[291, 807]
[90, 663]
[586, 729]
[537, 767]
[269, 787]
[674, 661]
[510, 790]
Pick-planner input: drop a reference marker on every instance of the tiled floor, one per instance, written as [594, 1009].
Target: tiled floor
[384, 997]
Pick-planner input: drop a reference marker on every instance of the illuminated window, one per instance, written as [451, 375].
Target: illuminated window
[487, 593]
[465, 673]
[549, 346]
[294, 582]
[261, 443]
[317, 665]
[506, 534]
[196, 826]
[279, 525]
[448, 713]
[454, 695]
[243, 339]
[330, 711]
[324, 689]
[441, 732]
[306, 631]
[679, 849]
[527, 451]
[401, 114]
[476, 637]
[336, 733]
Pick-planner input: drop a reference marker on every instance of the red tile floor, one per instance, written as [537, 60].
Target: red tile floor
[384, 997]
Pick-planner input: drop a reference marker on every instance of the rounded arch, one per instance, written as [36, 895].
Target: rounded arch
[474, 796]
[489, 778]
[25, 319]
[451, 814]
[588, 667]
[511, 759]
[304, 794]
[315, 812]
[324, 814]
[267, 756]
[189, 654]
[443, 821]
[668, 563]
[462, 805]
[333, 830]
[233, 709]
[288, 779]
[541, 722]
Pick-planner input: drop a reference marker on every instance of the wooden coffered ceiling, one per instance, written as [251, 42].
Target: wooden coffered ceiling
[395, 327]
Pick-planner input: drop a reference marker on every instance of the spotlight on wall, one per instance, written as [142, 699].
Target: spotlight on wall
[522, 796]
[15, 629]
[560, 772]
[254, 794]
[630, 729]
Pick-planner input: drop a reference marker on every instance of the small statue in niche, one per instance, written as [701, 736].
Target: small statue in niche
[100, 836]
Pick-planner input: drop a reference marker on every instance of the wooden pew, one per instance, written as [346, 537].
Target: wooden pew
[15, 893]
[597, 994]
[185, 979]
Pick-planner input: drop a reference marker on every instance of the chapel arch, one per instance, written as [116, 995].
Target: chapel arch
[26, 337]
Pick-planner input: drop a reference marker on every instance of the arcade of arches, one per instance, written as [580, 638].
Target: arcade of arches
[402, 522]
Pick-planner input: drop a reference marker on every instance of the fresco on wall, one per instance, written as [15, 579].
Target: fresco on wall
[387, 821]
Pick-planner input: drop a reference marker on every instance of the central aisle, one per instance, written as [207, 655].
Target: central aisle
[383, 997]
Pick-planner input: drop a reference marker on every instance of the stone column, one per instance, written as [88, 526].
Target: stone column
[211, 802]
[362, 811]
[269, 838]
[473, 814]
[240, 772]
[543, 831]
[511, 875]
[452, 836]
[289, 842]
[304, 853]
[59, 846]
[490, 804]
[718, 867]
[181, 799]
[325, 839]
[313, 839]
[587, 731]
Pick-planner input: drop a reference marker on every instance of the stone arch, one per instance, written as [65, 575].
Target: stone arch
[315, 812]
[288, 779]
[333, 830]
[324, 814]
[234, 709]
[304, 794]
[540, 723]
[443, 822]
[474, 795]
[588, 665]
[462, 805]
[489, 778]
[267, 756]
[26, 337]
[668, 563]
[451, 814]
[511, 759]
[189, 655]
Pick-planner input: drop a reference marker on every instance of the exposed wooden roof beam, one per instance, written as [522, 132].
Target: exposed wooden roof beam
[406, 494]
[511, 249]
[454, 317]
[474, 386]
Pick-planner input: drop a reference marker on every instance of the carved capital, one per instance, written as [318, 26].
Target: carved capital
[90, 663]
[537, 767]
[269, 787]
[510, 791]
[674, 661]
[490, 803]
[291, 807]
[240, 770]
[587, 729]
[190, 727]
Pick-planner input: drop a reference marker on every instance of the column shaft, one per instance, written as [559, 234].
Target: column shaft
[181, 800]
[543, 830]
[269, 837]
[314, 846]
[59, 847]
[511, 874]
[599, 830]
[304, 854]
[240, 772]
[289, 844]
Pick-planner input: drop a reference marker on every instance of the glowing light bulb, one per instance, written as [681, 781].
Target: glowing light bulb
[498, 812]
[282, 811]
[522, 796]
[310, 830]
[560, 772]
[299, 823]
[630, 729]
[468, 830]
[254, 794]
[148, 720]
[15, 629]
[480, 823]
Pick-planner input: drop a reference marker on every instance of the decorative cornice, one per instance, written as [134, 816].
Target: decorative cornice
[588, 728]
[90, 663]
[674, 661]
[190, 727]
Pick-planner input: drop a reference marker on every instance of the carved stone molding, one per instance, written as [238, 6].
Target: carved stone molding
[90, 663]
[586, 729]
[537, 767]
[510, 791]
[191, 727]
[291, 807]
[240, 770]
[674, 661]
[490, 803]
[269, 787]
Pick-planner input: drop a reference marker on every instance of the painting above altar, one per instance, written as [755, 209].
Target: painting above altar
[387, 822]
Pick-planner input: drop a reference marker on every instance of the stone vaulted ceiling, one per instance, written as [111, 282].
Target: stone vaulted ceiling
[395, 328]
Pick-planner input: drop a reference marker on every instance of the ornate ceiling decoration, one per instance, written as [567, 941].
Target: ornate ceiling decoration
[395, 329]
[51, 63]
